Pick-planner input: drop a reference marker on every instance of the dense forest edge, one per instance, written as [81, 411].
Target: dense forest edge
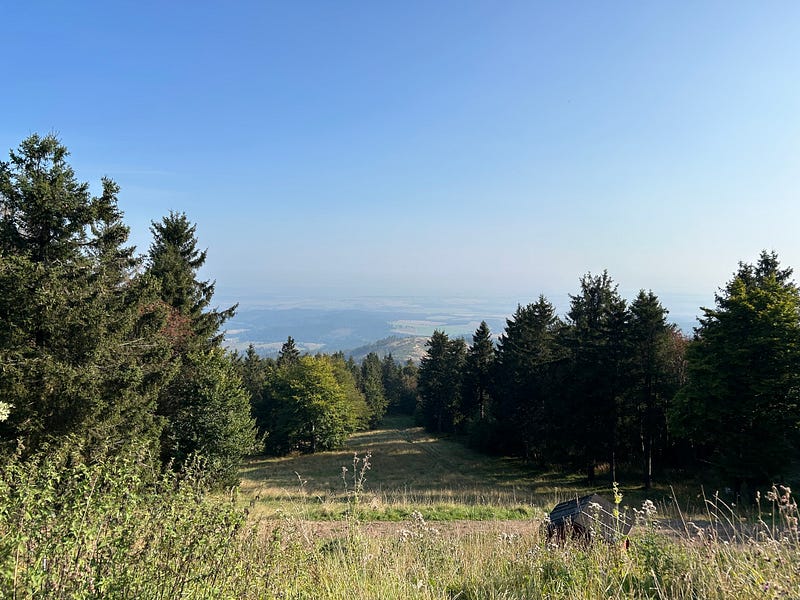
[120, 409]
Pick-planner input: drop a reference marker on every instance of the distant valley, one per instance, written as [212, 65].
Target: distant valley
[399, 326]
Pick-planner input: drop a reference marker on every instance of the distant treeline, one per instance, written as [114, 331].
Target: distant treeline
[310, 403]
[106, 352]
[615, 384]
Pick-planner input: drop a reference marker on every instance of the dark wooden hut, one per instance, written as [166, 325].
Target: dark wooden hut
[587, 517]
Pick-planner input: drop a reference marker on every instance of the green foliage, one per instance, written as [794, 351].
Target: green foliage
[289, 353]
[372, 386]
[526, 380]
[599, 361]
[115, 529]
[174, 260]
[358, 411]
[439, 384]
[740, 405]
[656, 350]
[213, 419]
[305, 408]
[478, 374]
[81, 350]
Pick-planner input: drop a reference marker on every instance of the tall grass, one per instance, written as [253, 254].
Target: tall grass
[116, 530]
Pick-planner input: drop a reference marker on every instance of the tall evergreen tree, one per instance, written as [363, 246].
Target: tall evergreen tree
[79, 335]
[478, 373]
[174, 260]
[193, 328]
[214, 419]
[652, 381]
[439, 384]
[372, 387]
[289, 353]
[526, 354]
[740, 407]
[596, 338]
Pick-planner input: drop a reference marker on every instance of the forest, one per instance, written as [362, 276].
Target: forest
[124, 423]
[102, 349]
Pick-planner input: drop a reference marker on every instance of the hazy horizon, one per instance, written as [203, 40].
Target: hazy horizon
[463, 149]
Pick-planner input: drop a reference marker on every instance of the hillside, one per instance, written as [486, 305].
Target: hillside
[410, 469]
[401, 348]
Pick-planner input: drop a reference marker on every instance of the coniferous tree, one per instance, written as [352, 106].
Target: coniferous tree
[174, 261]
[390, 380]
[526, 354]
[740, 406]
[372, 387]
[289, 353]
[652, 381]
[214, 420]
[439, 383]
[598, 354]
[80, 347]
[478, 373]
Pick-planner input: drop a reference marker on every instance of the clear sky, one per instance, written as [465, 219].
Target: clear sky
[439, 148]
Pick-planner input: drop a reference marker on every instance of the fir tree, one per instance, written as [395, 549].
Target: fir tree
[289, 353]
[372, 387]
[740, 407]
[80, 342]
[174, 261]
[478, 373]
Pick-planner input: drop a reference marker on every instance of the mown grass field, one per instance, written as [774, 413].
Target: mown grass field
[412, 470]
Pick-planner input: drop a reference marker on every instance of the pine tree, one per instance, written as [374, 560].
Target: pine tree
[478, 373]
[740, 406]
[174, 261]
[289, 353]
[372, 387]
[80, 344]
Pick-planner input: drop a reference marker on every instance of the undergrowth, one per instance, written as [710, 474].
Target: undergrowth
[117, 530]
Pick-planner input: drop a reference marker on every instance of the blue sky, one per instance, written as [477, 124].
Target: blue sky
[442, 148]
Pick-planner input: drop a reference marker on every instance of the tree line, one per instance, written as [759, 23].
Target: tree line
[102, 349]
[615, 384]
[310, 403]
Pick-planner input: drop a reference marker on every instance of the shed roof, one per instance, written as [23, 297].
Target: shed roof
[592, 513]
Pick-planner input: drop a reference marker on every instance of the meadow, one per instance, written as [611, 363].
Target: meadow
[397, 513]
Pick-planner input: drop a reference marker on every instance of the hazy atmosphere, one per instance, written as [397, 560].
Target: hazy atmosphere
[399, 300]
[449, 149]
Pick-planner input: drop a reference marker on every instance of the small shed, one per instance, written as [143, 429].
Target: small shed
[588, 517]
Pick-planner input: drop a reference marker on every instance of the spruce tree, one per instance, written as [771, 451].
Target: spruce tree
[80, 344]
[194, 331]
[478, 373]
[174, 261]
[289, 353]
[652, 381]
[599, 354]
[439, 383]
[372, 387]
[740, 406]
[525, 372]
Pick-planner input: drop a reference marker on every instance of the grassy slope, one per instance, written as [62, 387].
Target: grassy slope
[411, 470]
